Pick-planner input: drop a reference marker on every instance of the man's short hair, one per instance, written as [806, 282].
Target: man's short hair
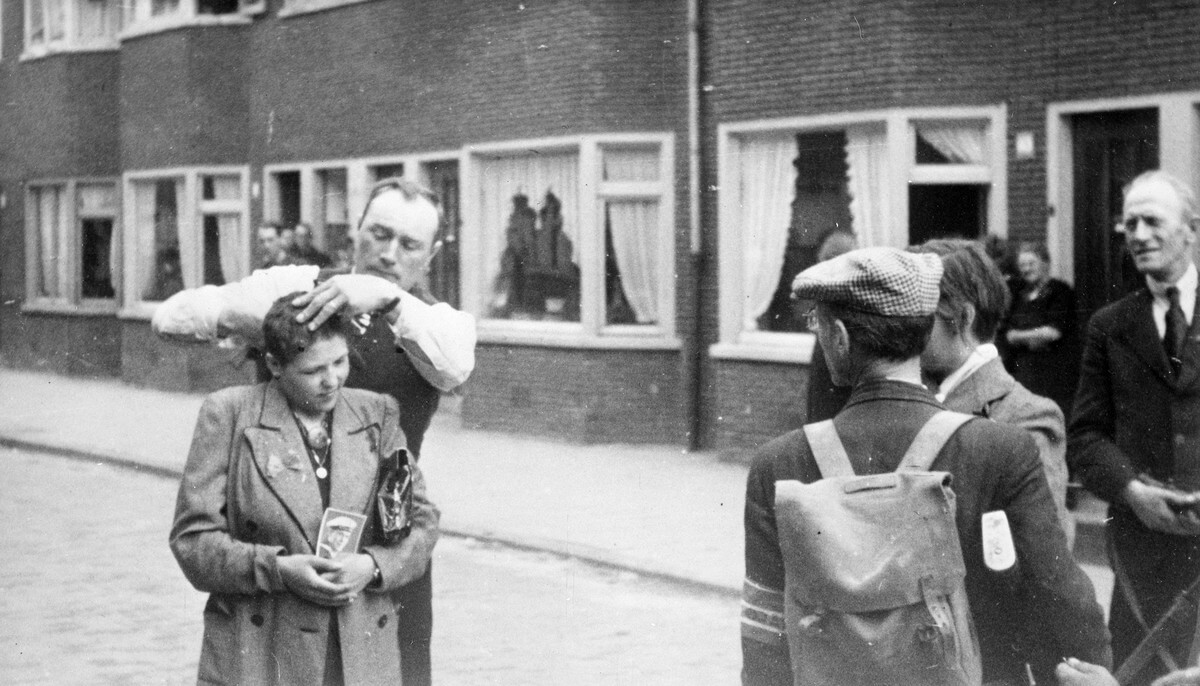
[878, 337]
[284, 338]
[969, 277]
[1187, 197]
[411, 190]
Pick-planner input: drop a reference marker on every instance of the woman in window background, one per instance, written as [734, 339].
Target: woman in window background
[268, 464]
[1041, 328]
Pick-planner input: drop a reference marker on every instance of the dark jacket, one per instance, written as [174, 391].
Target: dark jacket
[993, 467]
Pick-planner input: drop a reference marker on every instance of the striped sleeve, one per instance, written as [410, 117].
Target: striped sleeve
[762, 613]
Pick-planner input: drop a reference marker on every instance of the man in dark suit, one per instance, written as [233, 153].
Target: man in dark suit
[873, 317]
[1134, 437]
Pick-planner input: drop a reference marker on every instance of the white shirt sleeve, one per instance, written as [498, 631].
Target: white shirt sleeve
[438, 339]
[193, 314]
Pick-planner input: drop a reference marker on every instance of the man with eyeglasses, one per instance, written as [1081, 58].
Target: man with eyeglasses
[1134, 436]
[413, 347]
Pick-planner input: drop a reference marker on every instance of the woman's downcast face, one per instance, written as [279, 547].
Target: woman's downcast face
[312, 380]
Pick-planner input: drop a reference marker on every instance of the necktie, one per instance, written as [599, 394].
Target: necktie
[1176, 330]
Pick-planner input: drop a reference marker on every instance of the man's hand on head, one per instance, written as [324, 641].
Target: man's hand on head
[352, 294]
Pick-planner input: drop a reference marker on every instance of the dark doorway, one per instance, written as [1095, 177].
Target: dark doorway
[288, 186]
[946, 211]
[1110, 149]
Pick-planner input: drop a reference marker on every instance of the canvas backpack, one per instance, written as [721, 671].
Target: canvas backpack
[874, 576]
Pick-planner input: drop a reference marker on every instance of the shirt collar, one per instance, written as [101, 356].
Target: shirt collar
[978, 357]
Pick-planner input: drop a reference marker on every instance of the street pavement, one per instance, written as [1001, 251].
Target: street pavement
[93, 596]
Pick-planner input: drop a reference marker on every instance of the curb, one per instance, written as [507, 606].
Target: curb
[566, 549]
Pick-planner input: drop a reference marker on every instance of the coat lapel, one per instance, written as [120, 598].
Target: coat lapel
[355, 456]
[280, 455]
[979, 390]
[1191, 350]
[1140, 334]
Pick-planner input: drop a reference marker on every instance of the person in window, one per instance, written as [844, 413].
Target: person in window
[254, 490]
[168, 275]
[303, 250]
[413, 347]
[513, 295]
[552, 275]
[1042, 353]
[273, 245]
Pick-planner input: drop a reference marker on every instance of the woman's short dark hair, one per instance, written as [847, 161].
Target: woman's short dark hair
[889, 338]
[284, 338]
[969, 277]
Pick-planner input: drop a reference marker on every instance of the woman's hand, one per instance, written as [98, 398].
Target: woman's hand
[356, 573]
[315, 579]
[1073, 672]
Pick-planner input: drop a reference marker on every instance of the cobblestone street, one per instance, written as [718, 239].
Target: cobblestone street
[93, 596]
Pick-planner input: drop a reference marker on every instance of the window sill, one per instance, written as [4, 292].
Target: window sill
[43, 51]
[85, 309]
[139, 311]
[564, 335]
[153, 26]
[788, 348]
[291, 10]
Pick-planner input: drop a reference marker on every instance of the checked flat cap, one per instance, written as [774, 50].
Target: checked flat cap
[883, 281]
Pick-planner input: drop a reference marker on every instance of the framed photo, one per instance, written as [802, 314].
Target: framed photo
[341, 532]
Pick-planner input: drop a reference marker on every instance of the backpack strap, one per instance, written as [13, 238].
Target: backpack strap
[931, 438]
[827, 450]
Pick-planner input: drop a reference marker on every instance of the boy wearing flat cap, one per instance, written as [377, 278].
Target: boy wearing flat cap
[873, 315]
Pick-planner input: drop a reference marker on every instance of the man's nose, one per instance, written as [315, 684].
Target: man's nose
[1140, 230]
[388, 254]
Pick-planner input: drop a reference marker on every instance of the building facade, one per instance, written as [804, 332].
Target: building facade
[629, 186]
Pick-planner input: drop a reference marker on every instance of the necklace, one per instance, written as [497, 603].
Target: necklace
[316, 444]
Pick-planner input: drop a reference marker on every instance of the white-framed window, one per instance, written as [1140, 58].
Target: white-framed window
[892, 177]
[149, 16]
[72, 247]
[53, 26]
[330, 195]
[571, 241]
[184, 228]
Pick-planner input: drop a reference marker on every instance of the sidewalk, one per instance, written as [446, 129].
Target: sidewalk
[652, 509]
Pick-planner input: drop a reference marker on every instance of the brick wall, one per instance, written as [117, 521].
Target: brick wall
[595, 396]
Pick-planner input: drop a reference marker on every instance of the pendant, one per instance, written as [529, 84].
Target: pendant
[322, 472]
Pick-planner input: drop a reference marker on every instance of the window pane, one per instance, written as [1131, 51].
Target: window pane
[49, 221]
[156, 223]
[221, 187]
[287, 194]
[443, 273]
[333, 215]
[37, 22]
[630, 164]
[951, 142]
[159, 8]
[385, 171]
[96, 258]
[212, 251]
[97, 20]
[946, 211]
[97, 199]
[530, 234]
[55, 20]
[631, 262]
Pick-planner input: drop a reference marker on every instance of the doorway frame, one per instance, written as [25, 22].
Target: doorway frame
[1179, 154]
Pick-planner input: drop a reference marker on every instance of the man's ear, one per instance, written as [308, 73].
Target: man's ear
[841, 336]
[968, 320]
[437, 247]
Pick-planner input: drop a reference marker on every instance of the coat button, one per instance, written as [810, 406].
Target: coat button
[256, 620]
[382, 621]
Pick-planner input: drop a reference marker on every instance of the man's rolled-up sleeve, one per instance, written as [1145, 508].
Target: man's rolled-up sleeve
[438, 339]
[208, 313]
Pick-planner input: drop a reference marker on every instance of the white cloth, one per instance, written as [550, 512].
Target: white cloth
[1187, 298]
[978, 357]
[438, 339]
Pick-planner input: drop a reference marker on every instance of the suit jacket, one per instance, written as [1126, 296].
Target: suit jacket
[1132, 413]
[249, 495]
[992, 392]
[993, 467]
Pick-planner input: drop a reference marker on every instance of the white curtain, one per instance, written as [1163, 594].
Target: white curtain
[870, 185]
[532, 175]
[768, 184]
[635, 236]
[961, 143]
[52, 230]
[55, 21]
[143, 233]
[235, 258]
[97, 20]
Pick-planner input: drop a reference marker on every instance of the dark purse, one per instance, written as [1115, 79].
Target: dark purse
[395, 496]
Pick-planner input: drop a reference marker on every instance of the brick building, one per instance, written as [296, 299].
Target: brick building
[626, 197]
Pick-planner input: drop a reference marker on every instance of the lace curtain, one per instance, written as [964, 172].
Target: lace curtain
[961, 143]
[768, 183]
[870, 186]
[634, 227]
[52, 230]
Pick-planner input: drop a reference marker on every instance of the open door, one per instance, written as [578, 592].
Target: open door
[1110, 149]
